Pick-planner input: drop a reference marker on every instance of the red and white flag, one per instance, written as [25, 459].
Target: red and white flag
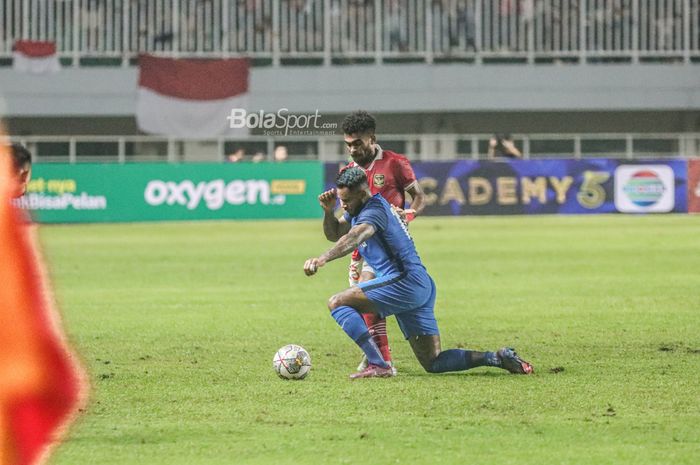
[190, 98]
[33, 56]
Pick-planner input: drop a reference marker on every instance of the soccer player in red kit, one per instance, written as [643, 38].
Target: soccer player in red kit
[390, 175]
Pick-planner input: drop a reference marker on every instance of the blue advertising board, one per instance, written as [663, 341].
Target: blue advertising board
[475, 187]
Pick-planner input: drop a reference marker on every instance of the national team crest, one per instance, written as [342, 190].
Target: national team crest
[378, 180]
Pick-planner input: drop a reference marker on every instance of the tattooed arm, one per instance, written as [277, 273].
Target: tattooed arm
[346, 244]
[333, 228]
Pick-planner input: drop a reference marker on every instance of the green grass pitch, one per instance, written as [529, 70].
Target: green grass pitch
[177, 324]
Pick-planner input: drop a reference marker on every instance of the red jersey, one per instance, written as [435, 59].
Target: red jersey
[389, 175]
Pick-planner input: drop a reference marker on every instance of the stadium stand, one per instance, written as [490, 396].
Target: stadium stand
[447, 51]
[327, 30]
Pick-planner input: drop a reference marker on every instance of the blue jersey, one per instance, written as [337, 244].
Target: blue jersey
[390, 249]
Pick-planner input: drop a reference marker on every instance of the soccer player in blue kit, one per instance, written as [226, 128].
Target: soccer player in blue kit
[402, 287]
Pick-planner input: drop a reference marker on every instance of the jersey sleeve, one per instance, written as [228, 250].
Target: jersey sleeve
[342, 167]
[404, 172]
[375, 216]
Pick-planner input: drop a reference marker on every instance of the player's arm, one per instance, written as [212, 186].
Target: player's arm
[333, 228]
[509, 145]
[492, 147]
[417, 198]
[405, 176]
[346, 244]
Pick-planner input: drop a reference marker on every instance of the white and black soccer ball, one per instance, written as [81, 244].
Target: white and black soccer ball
[292, 362]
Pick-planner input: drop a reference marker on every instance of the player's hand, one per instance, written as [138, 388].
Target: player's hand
[327, 200]
[407, 214]
[312, 265]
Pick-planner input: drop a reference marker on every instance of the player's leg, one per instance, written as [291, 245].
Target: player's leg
[434, 360]
[358, 271]
[375, 323]
[346, 308]
[420, 328]
[353, 297]
[396, 293]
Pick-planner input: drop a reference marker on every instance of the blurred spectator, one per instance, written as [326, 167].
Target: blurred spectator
[507, 11]
[281, 153]
[258, 157]
[92, 13]
[527, 15]
[236, 156]
[508, 7]
[461, 22]
[305, 23]
[397, 36]
[537, 26]
[303, 6]
[502, 145]
[465, 17]
[163, 40]
[666, 25]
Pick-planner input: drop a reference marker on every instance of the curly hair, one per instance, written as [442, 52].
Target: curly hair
[20, 156]
[359, 122]
[351, 178]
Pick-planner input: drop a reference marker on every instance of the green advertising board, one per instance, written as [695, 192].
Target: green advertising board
[78, 193]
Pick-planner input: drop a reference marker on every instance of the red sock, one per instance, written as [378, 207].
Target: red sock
[377, 328]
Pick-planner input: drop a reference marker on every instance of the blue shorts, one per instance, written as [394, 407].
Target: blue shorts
[410, 296]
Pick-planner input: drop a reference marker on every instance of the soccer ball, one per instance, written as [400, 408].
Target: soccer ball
[292, 362]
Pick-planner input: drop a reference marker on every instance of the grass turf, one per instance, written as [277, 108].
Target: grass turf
[177, 324]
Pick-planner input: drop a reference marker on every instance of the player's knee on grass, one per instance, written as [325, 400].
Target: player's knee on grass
[427, 365]
[432, 368]
[426, 349]
[431, 365]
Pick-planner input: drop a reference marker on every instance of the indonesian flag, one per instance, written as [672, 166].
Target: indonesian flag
[190, 98]
[40, 383]
[32, 56]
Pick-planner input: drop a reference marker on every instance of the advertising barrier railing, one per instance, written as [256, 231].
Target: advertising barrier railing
[473, 187]
[63, 193]
[417, 147]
